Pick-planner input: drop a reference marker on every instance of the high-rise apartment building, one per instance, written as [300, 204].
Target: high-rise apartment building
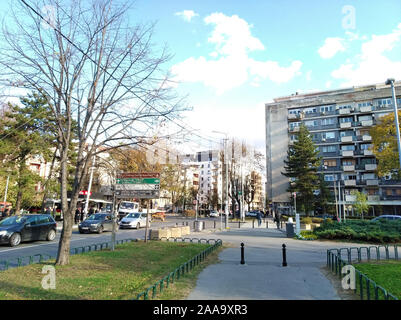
[339, 122]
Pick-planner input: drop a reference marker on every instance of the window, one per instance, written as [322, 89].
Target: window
[364, 104]
[327, 149]
[330, 163]
[310, 110]
[368, 176]
[347, 119]
[329, 135]
[347, 147]
[312, 123]
[294, 111]
[385, 102]
[364, 118]
[330, 177]
[294, 124]
[294, 137]
[328, 121]
[326, 108]
[348, 106]
[348, 162]
[348, 133]
[366, 146]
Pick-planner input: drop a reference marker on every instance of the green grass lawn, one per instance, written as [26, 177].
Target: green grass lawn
[386, 274]
[105, 275]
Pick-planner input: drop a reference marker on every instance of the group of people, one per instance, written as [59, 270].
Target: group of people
[80, 214]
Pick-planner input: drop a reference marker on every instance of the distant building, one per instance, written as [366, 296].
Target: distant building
[339, 123]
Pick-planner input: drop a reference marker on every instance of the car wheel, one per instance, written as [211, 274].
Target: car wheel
[100, 229]
[138, 225]
[15, 240]
[51, 235]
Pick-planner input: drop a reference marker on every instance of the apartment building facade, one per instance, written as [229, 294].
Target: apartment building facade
[339, 122]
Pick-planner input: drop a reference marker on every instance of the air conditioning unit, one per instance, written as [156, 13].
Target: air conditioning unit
[323, 113]
[324, 139]
[352, 109]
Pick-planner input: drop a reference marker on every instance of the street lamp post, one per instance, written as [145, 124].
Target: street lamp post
[397, 126]
[226, 165]
[89, 188]
[6, 190]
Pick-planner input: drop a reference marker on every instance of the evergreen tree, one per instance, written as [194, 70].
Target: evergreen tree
[301, 167]
[26, 132]
[324, 198]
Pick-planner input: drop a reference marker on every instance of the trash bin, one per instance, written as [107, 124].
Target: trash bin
[290, 230]
[198, 226]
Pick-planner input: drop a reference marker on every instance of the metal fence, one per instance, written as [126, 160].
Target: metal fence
[365, 287]
[39, 258]
[183, 269]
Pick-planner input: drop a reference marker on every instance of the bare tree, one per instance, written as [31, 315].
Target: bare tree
[96, 70]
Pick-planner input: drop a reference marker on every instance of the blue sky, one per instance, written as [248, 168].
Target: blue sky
[293, 46]
[231, 56]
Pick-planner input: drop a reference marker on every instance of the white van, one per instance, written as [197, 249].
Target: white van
[127, 207]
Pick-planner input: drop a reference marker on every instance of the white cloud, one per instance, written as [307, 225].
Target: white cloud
[371, 65]
[231, 65]
[187, 15]
[331, 47]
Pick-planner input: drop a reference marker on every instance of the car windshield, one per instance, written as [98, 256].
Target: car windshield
[125, 205]
[12, 220]
[96, 216]
[133, 215]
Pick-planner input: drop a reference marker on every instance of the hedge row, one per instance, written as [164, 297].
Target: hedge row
[361, 230]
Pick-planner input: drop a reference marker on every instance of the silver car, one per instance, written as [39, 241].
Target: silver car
[134, 220]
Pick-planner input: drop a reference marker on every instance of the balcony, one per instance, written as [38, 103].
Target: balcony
[294, 129]
[366, 138]
[350, 198]
[372, 182]
[348, 183]
[374, 198]
[349, 168]
[367, 123]
[292, 116]
[366, 109]
[367, 152]
[344, 111]
[370, 166]
[346, 139]
[345, 125]
[347, 153]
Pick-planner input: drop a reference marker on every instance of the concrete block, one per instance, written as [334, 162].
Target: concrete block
[176, 232]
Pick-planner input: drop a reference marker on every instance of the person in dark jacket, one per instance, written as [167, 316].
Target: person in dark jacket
[259, 216]
[77, 215]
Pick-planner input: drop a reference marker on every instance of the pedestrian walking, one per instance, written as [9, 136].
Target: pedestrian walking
[48, 211]
[77, 215]
[259, 216]
[82, 215]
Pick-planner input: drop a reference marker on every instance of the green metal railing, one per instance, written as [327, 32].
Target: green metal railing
[39, 258]
[366, 287]
[183, 269]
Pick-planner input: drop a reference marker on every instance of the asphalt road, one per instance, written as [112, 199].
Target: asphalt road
[27, 249]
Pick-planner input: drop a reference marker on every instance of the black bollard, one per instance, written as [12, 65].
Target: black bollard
[242, 254]
[284, 256]
[214, 224]
[253, 223]
[267, 224]
[239, 224]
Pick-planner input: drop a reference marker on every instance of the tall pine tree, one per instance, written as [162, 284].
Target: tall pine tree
[301, 166]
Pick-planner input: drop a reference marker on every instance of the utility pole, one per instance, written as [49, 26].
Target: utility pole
[89, 188]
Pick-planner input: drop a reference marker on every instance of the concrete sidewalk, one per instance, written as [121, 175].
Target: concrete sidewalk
[263, 277]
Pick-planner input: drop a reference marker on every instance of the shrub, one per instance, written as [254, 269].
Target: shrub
[306, 220]
[317, 220]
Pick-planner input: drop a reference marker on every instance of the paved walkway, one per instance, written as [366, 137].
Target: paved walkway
[263, 277]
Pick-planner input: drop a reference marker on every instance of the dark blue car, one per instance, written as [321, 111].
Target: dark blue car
[30, 227]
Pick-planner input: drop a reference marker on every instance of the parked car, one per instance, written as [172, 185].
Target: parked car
[97, 222]
[387, 217]
[134, 220]
[214, 214]
[251, 214]
[159, 214]
[31, 227]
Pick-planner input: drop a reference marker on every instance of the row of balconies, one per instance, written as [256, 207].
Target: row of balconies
[352, 198]
[366, 109]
